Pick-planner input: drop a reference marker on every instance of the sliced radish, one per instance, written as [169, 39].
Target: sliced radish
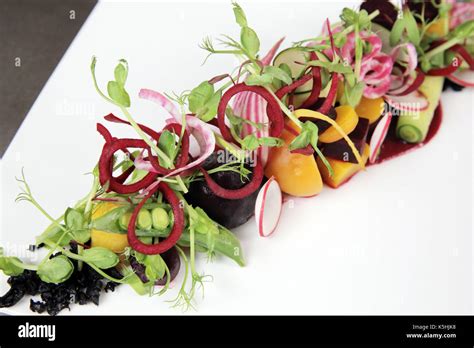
[378, 136]
[464, 78]
[412, 102]
[268, 207]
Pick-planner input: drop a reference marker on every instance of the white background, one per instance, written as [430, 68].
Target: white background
[396, 240]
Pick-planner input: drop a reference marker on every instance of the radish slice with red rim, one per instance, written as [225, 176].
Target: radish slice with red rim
[268, 207]
[464, 78]
[412, 102]
[378, 136]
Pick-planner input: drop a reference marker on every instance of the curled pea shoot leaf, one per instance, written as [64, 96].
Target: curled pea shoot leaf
[100, 257]
[121, 72]
[239, 14]
[463, 31]
[353, 94]
[250, 142]
[9, 265]
[250, 41]
[199, 95]
[167, 144]
[259, 80]
[278, 73]
[155, 267]
[55, 270]
[271, 141]
[354, 18]
[397, 31]
[75, 223]
[331, 66]
[308, 135]
[118, 94]
[411, 27]
[203, 101]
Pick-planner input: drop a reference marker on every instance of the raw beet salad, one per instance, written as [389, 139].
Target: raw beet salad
[318, 112]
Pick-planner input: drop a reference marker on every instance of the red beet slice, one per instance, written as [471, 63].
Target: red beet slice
[331, 95]
[105, 167]
[314, 96]
[176, 231]
[274, 113]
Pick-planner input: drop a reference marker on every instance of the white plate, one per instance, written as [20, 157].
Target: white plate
[395, 240]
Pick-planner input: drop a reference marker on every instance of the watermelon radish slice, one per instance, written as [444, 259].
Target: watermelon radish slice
[268, 207]
[414, 102]
[378, 136]
[464, 78]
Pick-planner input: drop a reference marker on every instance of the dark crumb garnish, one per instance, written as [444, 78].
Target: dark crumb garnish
[82, 287]
[450, 84]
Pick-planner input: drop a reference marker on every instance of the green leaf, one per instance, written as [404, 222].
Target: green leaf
[354, 94]
[313, 130]
[7, 265]
[55, 270]
[167, 144]
[74, 219]
[397, 31]
[332, 67]
[75, 223]
[250, 41]
[271, 141]
[278, 73]
[301, 141]
[259, 80]
[348, 16]
[286, 68]
[463, 31]
[100, 257]
[411, 27]
[200, 95]
[53, 233]
[250, 142]
[211, 107]
[121, 72]
[239, 14]
[155, 267]
[118, 94]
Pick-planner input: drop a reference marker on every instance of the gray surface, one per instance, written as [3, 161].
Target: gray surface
[38, 33]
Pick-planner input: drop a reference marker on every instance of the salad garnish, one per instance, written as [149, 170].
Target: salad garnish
[316, 113]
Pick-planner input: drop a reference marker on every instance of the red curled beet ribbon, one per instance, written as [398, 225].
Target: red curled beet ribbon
[106, 167]
[464, 54]
[331, 94]
[415, 84]
[274, 113]
[243, 192]
[183, 156]
[290, 88]
[455, 64]
[314, 96]
[176, 231]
